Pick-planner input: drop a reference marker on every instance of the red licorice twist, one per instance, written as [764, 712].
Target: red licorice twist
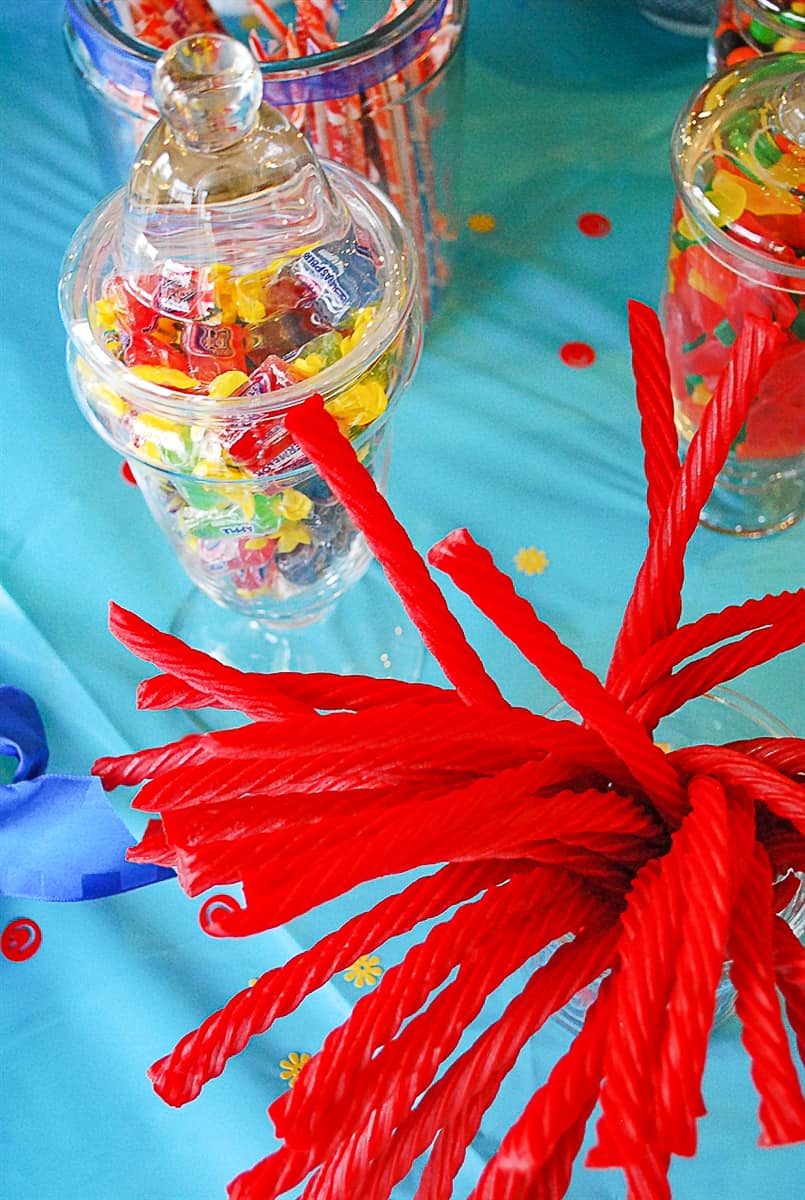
[647, 870]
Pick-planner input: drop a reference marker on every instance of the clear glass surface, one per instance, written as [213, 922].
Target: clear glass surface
[367, 633]
[232, 279]
[716, 718]
[692, 18]
[747, 28]
[386, 101]
[736, 247]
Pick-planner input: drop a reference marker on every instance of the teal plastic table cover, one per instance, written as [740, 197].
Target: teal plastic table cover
[569, 109]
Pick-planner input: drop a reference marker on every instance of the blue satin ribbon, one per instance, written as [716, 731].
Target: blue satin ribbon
[60, 838]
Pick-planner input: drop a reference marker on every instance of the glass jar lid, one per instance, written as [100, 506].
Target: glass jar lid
[738, 157]
[231, 262]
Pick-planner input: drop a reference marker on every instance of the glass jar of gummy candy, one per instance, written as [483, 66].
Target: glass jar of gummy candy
[374, 85]
[714, 719]
[232, 278]
[748, 28]
[737, 246]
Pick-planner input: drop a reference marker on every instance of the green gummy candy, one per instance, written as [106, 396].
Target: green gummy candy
[725, 333]
[266, 514]
[761, 33]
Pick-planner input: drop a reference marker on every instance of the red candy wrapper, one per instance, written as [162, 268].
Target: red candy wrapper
[160, 23]
[265, 447]
[659, 866]
[210, 350]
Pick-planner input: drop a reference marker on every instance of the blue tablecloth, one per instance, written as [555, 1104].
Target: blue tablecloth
[569, 109]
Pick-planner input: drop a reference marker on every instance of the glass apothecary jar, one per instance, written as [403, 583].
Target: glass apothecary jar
[232, 278]
[737, 246]
[747, 28]
[382, 96]
[717, 718]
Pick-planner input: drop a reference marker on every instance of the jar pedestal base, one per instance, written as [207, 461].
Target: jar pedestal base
[366, 632]
[755, 511]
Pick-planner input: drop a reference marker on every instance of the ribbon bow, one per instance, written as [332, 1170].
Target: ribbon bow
[60, 838]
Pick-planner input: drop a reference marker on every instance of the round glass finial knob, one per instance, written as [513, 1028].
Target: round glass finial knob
[209, 90]
[791, 111]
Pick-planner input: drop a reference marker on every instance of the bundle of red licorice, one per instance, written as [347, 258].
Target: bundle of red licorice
[661, 866]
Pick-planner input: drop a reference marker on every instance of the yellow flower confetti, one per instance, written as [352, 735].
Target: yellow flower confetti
[481, 222]
[367, 970]
[292, 1065]
[531, 561]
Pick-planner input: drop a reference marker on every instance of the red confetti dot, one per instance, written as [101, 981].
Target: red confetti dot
[577, 354]
[128, 474]
[594, 225]
[20, 939]
[211, 909]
